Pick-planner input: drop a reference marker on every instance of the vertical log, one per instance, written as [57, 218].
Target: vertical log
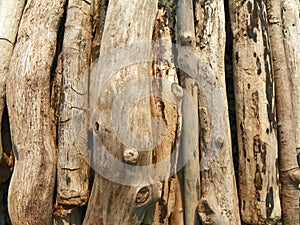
[289, 170]
[112, 202]
[191, 170]
[10, 15]
[219, 200]
[291, 33]
[28, 97]
[162, 111]
[255, 111]
[72, 165]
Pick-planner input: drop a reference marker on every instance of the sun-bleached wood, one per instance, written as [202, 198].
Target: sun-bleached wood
[162, 110]
[10, 15]
[191, 170]
[255, 112]
[28, 97]
[125, 24]
[219, 202]
[73, 164]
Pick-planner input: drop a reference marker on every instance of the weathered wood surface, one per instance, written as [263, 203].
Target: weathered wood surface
[124, 25]
[10, 15]
[219, 202]
[165, 113]
[189, 139]
[255, 111]
[291, 32]
[28, 97]
[284, 57]
[73, 162]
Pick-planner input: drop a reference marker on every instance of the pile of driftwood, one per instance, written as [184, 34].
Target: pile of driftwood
[116, 112]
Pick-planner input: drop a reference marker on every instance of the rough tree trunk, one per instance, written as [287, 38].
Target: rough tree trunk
[124, 26]
[255, 110]
[28, 97]
[72, 166]
[10, 14]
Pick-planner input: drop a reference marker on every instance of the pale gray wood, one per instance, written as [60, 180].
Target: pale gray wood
[72, 165]
[191, 170]
[10, 15]
[28, 97]
[291, 32]
[255, 111]
[114, 203]
[219, 200]
[165, 112]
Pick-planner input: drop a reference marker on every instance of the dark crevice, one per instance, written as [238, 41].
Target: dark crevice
[53, 73]
[7, 149]
[59, 43]
[55, 101]
[229, 76]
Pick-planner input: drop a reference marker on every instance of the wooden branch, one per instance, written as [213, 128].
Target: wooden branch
[72, 166]
[191, 170]
[291, 26]
[10, 14]
[219, 199]
[282, 57]
[255, 110]
[73, 169]
[114, 203]
[28, 97]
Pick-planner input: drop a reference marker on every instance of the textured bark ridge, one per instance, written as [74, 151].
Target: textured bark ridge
[72, 164]
[28, 97]
[255, 110]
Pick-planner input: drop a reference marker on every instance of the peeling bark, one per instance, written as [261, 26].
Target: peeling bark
[291, 32]
[255, 110]
[32, 184]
